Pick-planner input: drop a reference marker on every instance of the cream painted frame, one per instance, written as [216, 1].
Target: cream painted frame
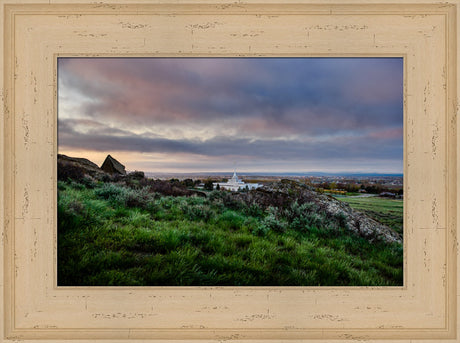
[34, 34]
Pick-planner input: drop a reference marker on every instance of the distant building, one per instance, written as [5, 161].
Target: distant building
[235, 184]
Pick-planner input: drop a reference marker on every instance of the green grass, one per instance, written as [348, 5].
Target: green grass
[111, 235]
[386, 211]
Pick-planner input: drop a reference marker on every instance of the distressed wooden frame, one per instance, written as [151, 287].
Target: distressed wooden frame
[34, 34]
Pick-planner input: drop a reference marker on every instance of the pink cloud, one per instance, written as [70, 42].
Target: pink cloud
[394, 133]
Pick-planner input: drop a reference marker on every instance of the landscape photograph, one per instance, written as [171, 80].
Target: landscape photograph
[230, 172]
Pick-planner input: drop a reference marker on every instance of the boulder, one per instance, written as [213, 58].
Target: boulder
[359, 222]
[112, 166]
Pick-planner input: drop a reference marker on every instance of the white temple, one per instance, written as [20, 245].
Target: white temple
[235, 184]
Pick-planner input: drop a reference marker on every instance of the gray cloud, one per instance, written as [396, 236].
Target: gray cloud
[339, 147]
[272, 108]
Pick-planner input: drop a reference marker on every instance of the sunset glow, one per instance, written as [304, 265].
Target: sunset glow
[205, 114]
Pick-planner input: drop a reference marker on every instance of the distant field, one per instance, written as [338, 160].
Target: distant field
[386, 211]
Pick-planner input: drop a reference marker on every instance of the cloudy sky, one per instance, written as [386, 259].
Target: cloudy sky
[205, 114]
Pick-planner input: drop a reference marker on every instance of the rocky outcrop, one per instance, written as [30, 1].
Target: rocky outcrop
[112, 166]
[77, 168]
[358, 222]
[283, 193]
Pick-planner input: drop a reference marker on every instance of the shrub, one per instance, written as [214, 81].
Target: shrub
[341, 220]
[208, 185]
[250, 223]
[197, 212]
[110, 191]
[197, 200]
[270, 222]
[123, 196]
[231, 220]
[232, 203]
[70, 215]
[69, 171]
[61, 186]
[136, 175]
[216, 196]
[188, 183]
[96, 210]
[88, 182]
[76, 185]
[166, 187]
[139, 198]
[254, 210]
[137, 218]
[261, 230]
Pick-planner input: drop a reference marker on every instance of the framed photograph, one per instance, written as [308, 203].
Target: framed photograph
[316, 193]
[243, 171]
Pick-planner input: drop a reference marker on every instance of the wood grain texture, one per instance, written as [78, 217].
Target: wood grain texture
[34, 35]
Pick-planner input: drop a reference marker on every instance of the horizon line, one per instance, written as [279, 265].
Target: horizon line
[303, 173]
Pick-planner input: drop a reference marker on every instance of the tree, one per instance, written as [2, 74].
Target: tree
[208, 185]
[188, 183]
[218, 187]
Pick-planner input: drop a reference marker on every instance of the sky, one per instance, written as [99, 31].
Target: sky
[183, 115]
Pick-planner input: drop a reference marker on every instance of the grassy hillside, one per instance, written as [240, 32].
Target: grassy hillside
[112, 234]
[386, 211]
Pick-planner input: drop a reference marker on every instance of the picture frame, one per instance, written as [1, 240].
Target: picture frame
[35, 34]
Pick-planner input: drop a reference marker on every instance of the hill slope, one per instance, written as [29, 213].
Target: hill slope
[129, 230]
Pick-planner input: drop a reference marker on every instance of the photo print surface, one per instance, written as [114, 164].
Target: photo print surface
[230, 172]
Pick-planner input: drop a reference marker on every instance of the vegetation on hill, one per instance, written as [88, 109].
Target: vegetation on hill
[138, 231]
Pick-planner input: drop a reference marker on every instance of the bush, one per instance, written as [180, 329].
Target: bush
[123, 196]
[139, 198]
[88, 182]
[69, 171]
[110, 191]
[216, 196]
[70, 215]
[270, 222]
[232, 203]
[76, 185]
[261, 230]
[96, 210]
[136, 175]
[165, 187]
[341, 220]
[231, 220]
[137, 218]
[188, 183]
[208, 185]
[61, 186]
[254, 210]
[197, 212]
